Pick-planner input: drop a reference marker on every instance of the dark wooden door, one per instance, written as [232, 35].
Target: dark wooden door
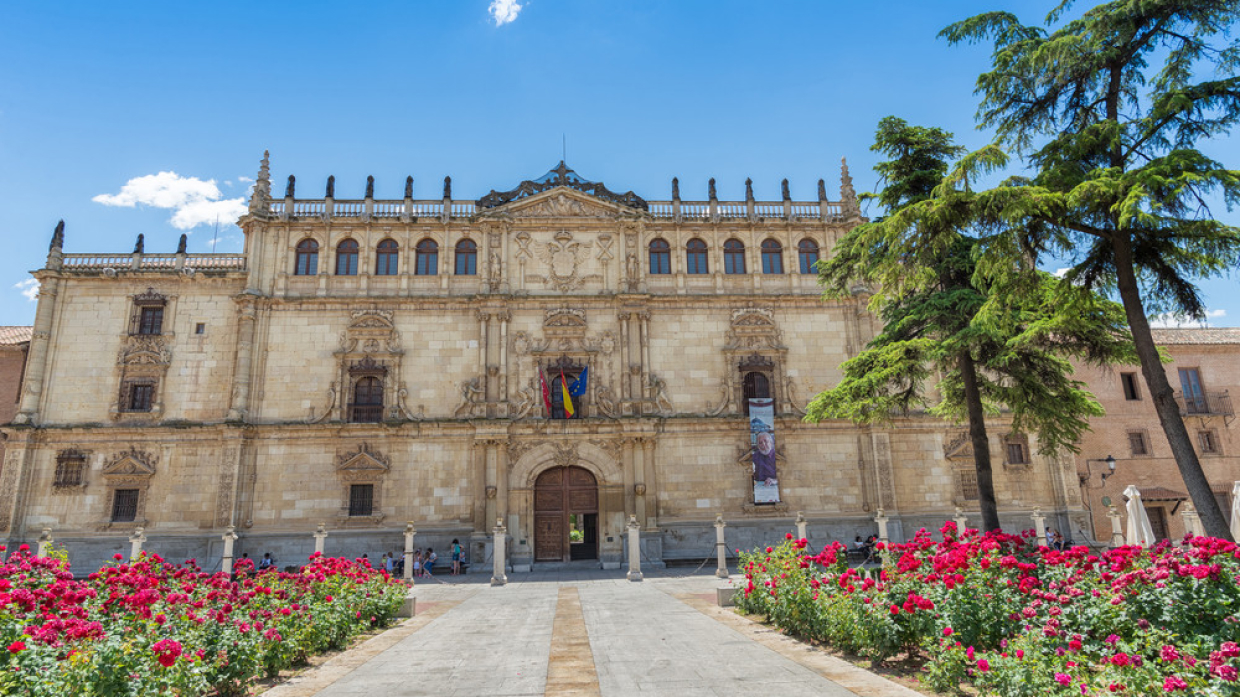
[559, 493]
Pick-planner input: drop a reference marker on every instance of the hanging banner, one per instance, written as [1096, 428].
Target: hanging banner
[762, 439]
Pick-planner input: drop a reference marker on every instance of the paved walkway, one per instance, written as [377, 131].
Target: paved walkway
[581, 633]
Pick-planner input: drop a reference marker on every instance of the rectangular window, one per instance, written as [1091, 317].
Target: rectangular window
[151, 321]
[125, 506]
[1017, 453]
[69, 469]
[1129, 381]
[1194, 396]
[200, 328]
[1208, 440]
[1137, 444]
[140, 396]
[361, 499]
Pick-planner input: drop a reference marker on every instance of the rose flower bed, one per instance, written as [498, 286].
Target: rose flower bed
[153, 628]
[1011, 618]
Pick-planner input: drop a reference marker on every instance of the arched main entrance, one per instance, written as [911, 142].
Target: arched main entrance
[565, 515]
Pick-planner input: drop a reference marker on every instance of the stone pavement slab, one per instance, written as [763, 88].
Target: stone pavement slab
[587, 633]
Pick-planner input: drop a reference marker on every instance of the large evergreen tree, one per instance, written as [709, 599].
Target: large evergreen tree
[1110, 108]
[942, 318]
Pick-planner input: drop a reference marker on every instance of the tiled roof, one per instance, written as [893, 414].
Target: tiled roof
[1210, 335]
[12, 336]
[1157, 493]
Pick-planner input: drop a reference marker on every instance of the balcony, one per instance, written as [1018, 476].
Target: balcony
[1205, 404]
[365, 413]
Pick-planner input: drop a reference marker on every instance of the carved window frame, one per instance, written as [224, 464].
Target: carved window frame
[764, 364]
[362, 371]
[1016, 452]
[71, 468]
[361, 465]
[148, 314]
[131, 469]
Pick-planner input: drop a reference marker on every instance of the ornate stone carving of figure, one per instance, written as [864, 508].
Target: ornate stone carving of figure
[472, 392]
[632, 269]
[370, 187]
[408, 187]
[822, 190]
[658, 393]
[748, 189]
[140, 246]
[447, 187]
[331, 186]
[182, 243]
[291, 189]
[783, 189]
[675, 188]
[713, 194]
[527, 398]
[605, 401]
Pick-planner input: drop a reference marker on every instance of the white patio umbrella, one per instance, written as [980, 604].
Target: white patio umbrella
[1140, 532]
[1235, 511]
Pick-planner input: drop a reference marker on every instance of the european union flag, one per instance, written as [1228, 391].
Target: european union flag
[579, 385]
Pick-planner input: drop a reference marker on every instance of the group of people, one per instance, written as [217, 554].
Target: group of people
[865, 549]
[423, 562]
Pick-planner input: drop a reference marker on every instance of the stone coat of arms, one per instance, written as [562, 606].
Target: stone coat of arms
[563, 257]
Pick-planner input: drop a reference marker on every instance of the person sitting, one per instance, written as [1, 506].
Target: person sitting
[266, 562]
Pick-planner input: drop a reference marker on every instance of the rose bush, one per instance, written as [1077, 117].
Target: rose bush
[1015, 619]
[154, 628]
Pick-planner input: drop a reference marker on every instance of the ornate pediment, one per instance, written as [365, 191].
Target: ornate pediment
[958, 447]
[569, 182]
[130, 463]
[370, 331]
[563, 204]
[753, 328]
[362, 461]
[145, 349]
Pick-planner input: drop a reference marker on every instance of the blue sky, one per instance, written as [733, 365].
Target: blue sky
[94, 96]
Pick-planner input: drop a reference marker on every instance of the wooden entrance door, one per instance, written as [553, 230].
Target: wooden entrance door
[563, 496]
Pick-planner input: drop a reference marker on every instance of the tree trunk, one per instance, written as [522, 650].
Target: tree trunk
[1163, 396]
[981, 444]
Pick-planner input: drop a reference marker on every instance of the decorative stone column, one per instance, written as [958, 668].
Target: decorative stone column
[626, 381]
[721, 551]
[504, 317]
[320, 538]
[801, 525]
[962, 522]
[229, 537]
[245, 352]
[135, 542]
[1192, 521]
[881, 519]
[409, 533]
[635, 551]
[1117, 531]
[36, 353]
[1039, 526]
[498, 577]
[647, 480]
[45, 542]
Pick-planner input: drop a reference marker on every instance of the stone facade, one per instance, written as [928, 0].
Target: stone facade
[1130, 432]
[275, 390]
[13, 344]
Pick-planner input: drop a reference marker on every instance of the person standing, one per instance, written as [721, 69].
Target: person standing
[417, 562]
[456, 557]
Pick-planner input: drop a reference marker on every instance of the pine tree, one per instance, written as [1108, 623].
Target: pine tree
[1119, 186]
[944, 320]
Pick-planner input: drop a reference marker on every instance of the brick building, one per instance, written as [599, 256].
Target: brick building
[14, 341]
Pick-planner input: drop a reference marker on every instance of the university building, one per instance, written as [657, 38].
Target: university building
[366, 362]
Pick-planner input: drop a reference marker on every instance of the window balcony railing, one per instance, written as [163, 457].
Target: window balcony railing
[1205, 404]
[366, 413]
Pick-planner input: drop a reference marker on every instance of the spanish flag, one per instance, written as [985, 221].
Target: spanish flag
[568, 398]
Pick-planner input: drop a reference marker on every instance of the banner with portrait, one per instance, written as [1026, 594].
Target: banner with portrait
[762, 440]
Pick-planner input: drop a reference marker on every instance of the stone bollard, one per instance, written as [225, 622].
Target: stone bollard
[801, 525]
[229, 536]
[409, 533]
[635, 550]
[881, 519]
[721, 551]
[1117, 531]
[962, 522]
[320, 538]
[1192, 522]
[1039, 526]
[135, 542]
[498, 577]
[45, 542]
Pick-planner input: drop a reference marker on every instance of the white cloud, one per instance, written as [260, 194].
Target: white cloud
[504, 11]
[194, 201]
[29, 288]
[1060, 273]
[1175, 321]
[245, 179]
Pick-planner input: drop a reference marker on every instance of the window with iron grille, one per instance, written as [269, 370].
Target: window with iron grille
[1137, 444]
[70, 468]
[125, 505]
[754, 385]
[361, 499]
[150, 320]
[660, 257]
[968, 484]
[367, 404]
[138, 396]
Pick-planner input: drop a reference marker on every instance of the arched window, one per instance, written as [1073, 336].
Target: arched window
[660, 257]
[428, 258]
[367, 406]
[733, 256]
[755, 385]
[695, 256]
[807, 252]
[307, 258]
[466, 258]
[772, 257]
[387, 262]
[346, 258]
